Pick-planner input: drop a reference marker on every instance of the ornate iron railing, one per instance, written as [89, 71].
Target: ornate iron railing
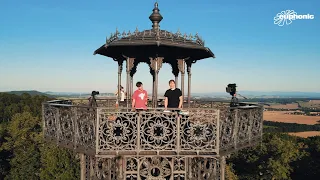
[73, 127]
[108, 132]
[157, 133]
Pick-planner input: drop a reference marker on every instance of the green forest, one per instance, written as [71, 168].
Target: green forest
[25, 155]
[23, 152]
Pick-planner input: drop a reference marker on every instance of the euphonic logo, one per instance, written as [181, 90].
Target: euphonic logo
[286, 17]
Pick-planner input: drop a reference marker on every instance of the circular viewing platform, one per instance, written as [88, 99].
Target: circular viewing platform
[208, 130]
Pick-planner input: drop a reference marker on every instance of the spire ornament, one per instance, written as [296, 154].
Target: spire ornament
[155, 17]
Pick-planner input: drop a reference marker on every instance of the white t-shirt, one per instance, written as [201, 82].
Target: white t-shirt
[122, 95]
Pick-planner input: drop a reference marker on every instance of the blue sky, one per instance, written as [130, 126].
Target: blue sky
[48, 45]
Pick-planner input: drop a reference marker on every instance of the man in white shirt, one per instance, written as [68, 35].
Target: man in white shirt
[122, 94]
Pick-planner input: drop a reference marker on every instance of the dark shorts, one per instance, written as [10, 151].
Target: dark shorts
[173, 109]
[139, 110]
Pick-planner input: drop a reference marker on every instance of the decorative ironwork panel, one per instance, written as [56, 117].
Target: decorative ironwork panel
[131, 168]
[220, 168]
[50, 121]
[117, 131]
[179, 177]
[89, 164]
[198, 130]
[240, 127]
[243, 125]
[158, 131]
[153, 144]
[70, 126]
[85, 124]
[66, 125]
[132, 164]
[131, 177]
[257, 123]
[106, 168]
[204, 168]
[227, 123]
[153, 168]
[179, 163]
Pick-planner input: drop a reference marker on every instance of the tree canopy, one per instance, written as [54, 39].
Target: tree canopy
[23, 152]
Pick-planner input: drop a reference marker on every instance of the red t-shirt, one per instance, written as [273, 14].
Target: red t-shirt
[141, 98]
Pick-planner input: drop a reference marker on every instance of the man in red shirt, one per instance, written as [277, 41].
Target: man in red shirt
[139, 97]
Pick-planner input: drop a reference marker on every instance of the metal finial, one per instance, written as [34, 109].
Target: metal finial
[136, 31]
[155, 17]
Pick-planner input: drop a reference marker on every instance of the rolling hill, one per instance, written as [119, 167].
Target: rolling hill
[31, 92]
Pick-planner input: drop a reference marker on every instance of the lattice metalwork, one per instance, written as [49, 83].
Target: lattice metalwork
[71, 126]
[146, 35]
[106, 168]
[153, 145]
[257, 122]
[157, 132]
[66, 126]
[227, 123]
[50, 122]
[117, 131]
[204, 168]
[240, 127]
[153, 168]
[85, 127]
[199, 130]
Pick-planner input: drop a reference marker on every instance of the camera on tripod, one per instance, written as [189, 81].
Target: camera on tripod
[231, 89]
[93, 93]
[92, 99]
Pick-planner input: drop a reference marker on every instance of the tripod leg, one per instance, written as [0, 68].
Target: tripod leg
[90, 102]
[234, 102]
[95, 102]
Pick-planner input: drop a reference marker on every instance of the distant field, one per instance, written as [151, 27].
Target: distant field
[280, 116]
[284, 106]
[303, 104]
[310, 104]
[306, 134]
